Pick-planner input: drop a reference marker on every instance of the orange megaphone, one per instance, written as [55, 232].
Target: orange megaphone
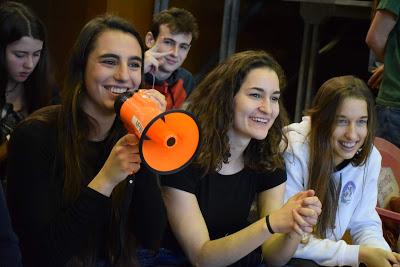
[168, 141]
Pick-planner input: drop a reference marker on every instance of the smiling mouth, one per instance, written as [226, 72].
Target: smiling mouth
[348, 145]
[171, 62]
[117, 90]
[259, 120]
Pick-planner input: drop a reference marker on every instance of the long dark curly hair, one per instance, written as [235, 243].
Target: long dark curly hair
[212, 103]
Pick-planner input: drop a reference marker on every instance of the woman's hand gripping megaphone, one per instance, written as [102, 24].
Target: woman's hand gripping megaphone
[156, 96]
[124, 158]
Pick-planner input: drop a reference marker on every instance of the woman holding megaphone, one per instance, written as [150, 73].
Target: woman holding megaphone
[241, 116]
[69, 194]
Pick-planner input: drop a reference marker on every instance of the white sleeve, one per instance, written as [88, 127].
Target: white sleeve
[365, 225]
[324, 252]
[328, 252]
[297, 173]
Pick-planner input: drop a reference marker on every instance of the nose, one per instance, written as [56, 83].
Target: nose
[175, 50]
[266, 106]
[121, 73]
[351, 132]
[28, 63]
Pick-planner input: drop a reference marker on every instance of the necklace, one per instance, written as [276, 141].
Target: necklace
[8, 92]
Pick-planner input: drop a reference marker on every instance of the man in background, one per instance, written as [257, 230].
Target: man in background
[169, 41]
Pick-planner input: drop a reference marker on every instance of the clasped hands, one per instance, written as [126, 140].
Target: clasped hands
[299, 214]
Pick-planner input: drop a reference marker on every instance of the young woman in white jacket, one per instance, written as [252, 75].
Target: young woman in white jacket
[332, 152]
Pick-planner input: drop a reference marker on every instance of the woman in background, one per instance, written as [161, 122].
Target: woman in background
[25, 83]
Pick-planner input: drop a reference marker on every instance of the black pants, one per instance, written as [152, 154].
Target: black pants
[295, 262]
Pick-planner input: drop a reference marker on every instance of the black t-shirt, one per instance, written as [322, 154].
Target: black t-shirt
[224, 200]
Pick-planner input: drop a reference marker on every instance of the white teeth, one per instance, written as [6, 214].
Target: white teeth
[258, 119]
[348, 144]
[117, 90]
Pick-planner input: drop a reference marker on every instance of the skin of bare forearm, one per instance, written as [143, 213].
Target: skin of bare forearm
[227, 250]
[279, 249]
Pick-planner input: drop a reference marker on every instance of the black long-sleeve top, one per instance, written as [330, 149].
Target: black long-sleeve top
[50, 232]
[10, 255]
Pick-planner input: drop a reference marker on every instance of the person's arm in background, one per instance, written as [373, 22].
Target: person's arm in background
[378, 33]
[376, 78]
[10, 254]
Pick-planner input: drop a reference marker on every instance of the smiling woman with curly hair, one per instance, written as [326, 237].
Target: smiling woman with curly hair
[239, 109]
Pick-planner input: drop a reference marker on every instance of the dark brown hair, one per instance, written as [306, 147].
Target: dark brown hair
[178, 20]
[74, 127]
[17, 21]
[212, 103]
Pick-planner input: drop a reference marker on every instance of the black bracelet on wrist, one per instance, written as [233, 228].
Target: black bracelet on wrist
[269, 225]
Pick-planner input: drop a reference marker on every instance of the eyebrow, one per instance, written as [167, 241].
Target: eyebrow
[170, 39]
[343, 116]
[26, 52]
[262, 90]
[117, 57]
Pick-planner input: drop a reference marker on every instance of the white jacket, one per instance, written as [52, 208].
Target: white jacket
[356, 208]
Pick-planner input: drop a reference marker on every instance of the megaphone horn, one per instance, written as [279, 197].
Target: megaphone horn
[168, 141]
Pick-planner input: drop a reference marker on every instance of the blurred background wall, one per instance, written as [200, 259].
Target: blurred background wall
[275, 26]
